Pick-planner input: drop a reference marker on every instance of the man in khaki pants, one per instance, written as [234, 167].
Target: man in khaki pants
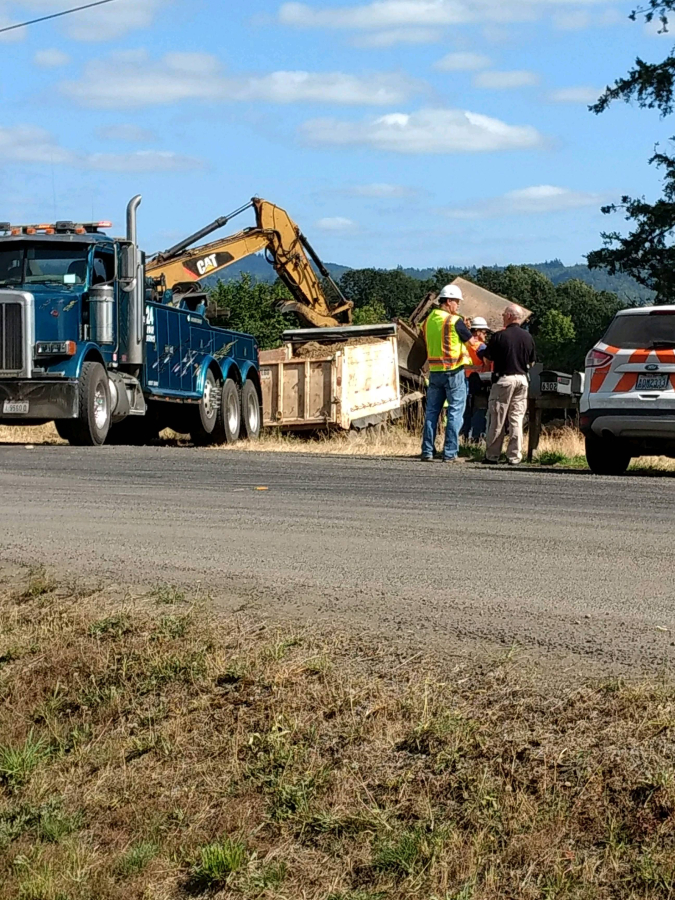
[512, 352]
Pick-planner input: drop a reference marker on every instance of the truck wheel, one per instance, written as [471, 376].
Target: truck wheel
[229, 414]
[205, 417]
[92, 425]
[250, 412]
[606, 456]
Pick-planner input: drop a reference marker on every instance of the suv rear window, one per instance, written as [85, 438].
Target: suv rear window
[642, 332]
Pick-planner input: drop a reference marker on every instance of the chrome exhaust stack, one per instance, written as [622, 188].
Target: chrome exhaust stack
[136, 287]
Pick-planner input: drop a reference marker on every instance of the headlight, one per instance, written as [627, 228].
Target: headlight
[55, 348]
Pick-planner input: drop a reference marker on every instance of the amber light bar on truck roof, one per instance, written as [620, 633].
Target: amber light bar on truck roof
[56, 228]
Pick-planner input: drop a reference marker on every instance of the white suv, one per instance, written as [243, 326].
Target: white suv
[628, 404]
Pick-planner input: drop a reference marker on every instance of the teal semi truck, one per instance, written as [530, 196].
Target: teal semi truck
[88, 341]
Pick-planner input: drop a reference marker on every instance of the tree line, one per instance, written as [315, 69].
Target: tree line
[567, 319]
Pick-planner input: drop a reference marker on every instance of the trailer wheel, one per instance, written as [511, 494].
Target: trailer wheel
[92, 425]
[228, 425]
[606, 456]
[250, 412]
[205, 416]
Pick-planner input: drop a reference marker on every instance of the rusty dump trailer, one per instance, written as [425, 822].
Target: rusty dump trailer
[346, 377]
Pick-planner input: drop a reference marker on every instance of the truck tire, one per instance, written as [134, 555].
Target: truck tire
[205, 416]
[250, 412]
[228, 425]
[607, 456]
[91, 427]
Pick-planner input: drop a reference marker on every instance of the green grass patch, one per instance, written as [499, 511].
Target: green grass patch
[216, 864]
[17, 763]
[168, 594]
[136, 860]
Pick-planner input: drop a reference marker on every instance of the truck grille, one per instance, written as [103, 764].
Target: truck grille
[11, 337]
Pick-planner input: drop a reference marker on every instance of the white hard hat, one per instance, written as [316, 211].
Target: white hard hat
[479, 322]
[451, 292]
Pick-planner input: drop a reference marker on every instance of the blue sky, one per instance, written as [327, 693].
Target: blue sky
[411, 132]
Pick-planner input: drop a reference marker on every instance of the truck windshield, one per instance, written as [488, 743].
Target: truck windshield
[43, 264]
[642, 332]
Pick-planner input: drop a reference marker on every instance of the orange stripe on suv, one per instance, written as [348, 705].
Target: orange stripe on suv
[626, 383]
[598, 378]
[640, 356]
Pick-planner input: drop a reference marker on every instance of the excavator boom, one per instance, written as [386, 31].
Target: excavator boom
[287, 248]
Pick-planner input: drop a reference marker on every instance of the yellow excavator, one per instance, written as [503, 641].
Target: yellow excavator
[180, 268]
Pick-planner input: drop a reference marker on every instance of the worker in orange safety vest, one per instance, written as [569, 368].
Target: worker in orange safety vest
[474, 426]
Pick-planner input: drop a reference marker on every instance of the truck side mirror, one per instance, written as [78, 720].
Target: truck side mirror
[128, 267]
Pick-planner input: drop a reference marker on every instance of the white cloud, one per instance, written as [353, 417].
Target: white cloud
[125, 131]
[332, 87]
[578, 19]
[27, 144]
[388, 14]
[143, 161]
[381, 191]
[580, 94]
[131, 80]
[336, 224]
[425, 131]
[379, 39]
[572, 20]
[543, 198]
[462, 62]
[102, 23]
[51, 59]
[501, 81]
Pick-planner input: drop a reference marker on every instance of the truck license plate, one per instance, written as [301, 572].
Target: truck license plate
[652, 382]
[16, 407]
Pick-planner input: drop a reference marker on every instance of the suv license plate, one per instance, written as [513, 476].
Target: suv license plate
[15, 407]
[652, 383]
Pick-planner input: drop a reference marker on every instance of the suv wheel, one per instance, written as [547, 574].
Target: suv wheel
[607, 456]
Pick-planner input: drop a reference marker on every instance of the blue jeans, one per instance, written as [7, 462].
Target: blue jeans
[451, 387]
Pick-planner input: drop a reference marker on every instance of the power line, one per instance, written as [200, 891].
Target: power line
[57, 15]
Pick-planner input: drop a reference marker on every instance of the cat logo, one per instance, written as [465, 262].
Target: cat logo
[207, 264]
[197, 268]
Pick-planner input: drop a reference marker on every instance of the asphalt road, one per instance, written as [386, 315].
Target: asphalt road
[569, 565]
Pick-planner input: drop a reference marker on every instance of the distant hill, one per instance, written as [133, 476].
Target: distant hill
[260, 270]
[623, 285]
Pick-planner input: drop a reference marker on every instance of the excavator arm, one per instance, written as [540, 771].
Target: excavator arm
[287, 248]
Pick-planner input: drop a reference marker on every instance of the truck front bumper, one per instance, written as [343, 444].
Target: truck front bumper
[46, 400]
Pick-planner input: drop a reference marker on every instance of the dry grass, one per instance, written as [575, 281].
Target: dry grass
[149, 752]
[559, 446]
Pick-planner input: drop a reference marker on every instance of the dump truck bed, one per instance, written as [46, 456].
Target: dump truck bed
[331, 377]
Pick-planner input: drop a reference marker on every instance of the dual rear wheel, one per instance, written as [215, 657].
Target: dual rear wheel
[226, 412]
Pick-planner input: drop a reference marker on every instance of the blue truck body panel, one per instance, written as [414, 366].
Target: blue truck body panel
[180, 346]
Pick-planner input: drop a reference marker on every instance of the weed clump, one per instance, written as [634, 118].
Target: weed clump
[216, 864]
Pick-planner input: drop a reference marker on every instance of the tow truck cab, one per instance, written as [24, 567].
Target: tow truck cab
[84, 341]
